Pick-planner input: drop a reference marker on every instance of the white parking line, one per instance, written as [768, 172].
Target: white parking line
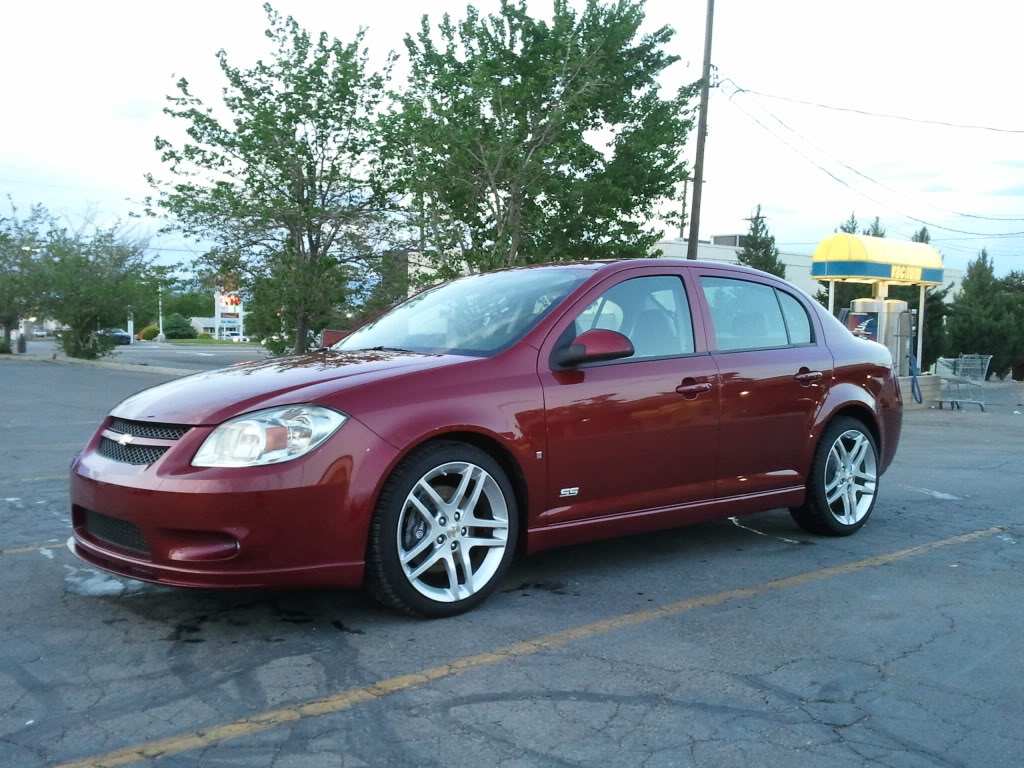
[934, 494]
[738, 524]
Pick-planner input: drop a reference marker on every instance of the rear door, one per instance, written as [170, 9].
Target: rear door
[774, 370]
[637, 433]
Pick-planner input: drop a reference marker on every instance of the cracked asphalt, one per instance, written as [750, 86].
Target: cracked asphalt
[914, 661]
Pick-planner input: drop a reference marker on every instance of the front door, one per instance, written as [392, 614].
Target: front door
[774, 372]
[637, 433]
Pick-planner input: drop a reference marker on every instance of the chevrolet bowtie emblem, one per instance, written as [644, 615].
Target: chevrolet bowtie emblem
[124, 439]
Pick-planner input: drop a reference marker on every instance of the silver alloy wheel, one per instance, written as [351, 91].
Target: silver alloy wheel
[851, 477]
[452, 531]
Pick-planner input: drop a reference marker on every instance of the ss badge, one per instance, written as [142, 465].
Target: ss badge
[568, 492]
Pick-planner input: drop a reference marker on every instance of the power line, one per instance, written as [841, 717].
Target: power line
[864, 175]
[846, 184]
[883, 114]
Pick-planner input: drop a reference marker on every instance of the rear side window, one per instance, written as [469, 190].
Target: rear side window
[746, 315]
[797, 322]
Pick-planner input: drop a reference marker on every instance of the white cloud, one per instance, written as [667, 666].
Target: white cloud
[84, 86]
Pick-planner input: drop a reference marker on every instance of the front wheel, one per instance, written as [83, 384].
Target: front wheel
[843, 484]
[443, 533]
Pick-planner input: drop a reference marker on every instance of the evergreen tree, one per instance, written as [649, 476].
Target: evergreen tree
[982, 319]
[759, 249]
[849, 226]
[874, 230]
[921, 236]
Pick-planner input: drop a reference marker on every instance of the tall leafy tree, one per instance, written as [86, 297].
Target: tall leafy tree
[284, 183]
[759, 249]
[20, 240]
[520, 140]
[982, 319]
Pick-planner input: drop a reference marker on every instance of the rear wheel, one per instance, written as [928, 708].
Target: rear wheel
[443, 533]
[843, 485]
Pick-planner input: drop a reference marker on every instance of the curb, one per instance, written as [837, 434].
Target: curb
[99, 364]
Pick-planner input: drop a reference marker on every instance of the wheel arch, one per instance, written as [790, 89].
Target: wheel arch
[861, 413]
[493, 446]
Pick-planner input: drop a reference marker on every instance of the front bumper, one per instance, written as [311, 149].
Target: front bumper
[300, 523]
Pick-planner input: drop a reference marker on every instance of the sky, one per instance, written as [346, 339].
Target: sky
[82, 86]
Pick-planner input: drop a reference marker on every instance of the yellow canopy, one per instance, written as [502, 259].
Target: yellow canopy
[863, 259]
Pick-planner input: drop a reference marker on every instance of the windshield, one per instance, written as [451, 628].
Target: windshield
[477, 315]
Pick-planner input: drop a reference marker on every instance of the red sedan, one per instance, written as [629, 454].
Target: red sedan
[517, 410]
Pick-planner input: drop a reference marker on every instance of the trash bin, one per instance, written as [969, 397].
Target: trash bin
[21, 344]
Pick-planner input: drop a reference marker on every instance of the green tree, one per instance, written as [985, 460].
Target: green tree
[759, 249]
[188, 302]
[982, 319]
[1013, 287]
[91, 279]
[875, 229]
[921, 236]
[177, 327]
[849, 226]
[285, 184]
[20, 241]
[520, 140]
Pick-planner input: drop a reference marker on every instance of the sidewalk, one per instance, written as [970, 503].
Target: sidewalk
[137, 367]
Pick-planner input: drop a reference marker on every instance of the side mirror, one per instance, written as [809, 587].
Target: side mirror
[596, 346]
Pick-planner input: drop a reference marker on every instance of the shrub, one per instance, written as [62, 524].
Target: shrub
[204, 335]
[177, 327]
[150, 332]
[5, 347]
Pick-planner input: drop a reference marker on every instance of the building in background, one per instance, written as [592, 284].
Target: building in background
[726, 249]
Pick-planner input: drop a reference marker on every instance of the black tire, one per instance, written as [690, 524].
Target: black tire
[385, 577]
[816, 516]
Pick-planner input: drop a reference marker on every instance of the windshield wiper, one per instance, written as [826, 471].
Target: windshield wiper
[382, 349]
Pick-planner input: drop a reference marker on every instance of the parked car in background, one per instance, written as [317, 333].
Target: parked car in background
[504, 412]
[38, 333]
[117, 335]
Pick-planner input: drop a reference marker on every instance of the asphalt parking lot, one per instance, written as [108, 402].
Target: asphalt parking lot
[725, 644]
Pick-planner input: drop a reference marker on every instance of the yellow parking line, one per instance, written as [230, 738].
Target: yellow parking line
[19, 550]
[174, 745]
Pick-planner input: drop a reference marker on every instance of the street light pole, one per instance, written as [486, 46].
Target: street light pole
[702, 130]
[160, 311]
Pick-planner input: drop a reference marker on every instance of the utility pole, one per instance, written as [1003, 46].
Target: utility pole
[702, 130]
[682, 220]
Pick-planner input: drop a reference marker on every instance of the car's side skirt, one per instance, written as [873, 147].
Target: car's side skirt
[641, 521]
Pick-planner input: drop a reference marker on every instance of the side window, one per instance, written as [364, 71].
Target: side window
[652, 312]
[746, 315]
[797, 322]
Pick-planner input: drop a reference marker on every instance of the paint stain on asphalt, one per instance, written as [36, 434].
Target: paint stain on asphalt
[342, 628]
[554, 587]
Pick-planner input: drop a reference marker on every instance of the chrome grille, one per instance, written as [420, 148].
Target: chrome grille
[113, 531]
[150, 429]
[130, 454]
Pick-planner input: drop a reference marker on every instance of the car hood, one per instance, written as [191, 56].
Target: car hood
[213, 396]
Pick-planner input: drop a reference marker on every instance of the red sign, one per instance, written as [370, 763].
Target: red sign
[229, 314]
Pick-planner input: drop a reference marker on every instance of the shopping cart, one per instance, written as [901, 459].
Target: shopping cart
[963, 379]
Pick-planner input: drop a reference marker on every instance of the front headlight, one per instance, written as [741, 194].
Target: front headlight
[268, 437]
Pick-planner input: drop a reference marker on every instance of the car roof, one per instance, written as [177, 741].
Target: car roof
[611, 266]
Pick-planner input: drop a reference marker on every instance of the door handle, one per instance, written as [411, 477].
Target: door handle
[806, 377]
[690, 388]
